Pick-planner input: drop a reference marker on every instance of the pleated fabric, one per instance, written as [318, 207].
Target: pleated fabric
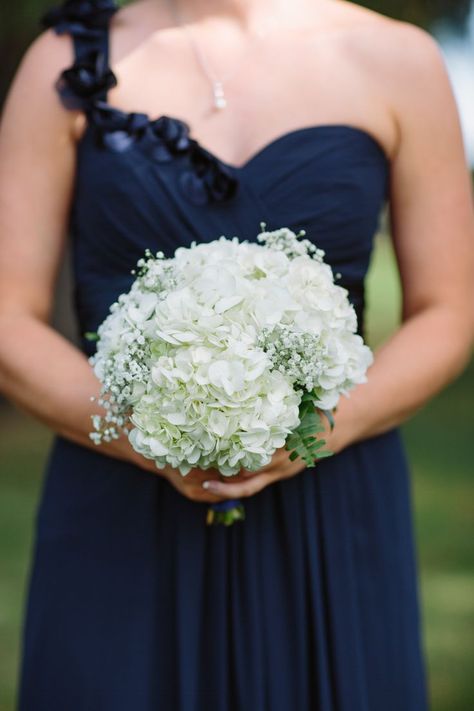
[311, 603]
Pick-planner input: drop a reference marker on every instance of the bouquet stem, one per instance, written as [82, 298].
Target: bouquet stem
[225, 512]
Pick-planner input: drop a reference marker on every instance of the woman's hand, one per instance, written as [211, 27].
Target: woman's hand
[210, 486]
[248, 483]
[189, 485]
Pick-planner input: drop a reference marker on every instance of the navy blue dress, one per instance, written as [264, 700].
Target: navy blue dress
[133, 602]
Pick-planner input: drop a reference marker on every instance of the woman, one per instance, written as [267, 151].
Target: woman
[307, 114]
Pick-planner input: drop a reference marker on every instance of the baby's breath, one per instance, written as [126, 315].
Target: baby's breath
[297, 354]
[290, 243]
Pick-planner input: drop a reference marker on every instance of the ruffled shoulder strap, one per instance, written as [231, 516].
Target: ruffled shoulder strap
[88, 80]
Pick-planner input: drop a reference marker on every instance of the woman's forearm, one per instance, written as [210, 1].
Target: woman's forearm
[45, 375]
[428, 351]
[48, 377]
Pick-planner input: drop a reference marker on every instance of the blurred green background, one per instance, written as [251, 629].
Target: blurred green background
[438, 439]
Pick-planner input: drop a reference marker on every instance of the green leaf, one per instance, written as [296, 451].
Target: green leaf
[318, 443]
[226, 518]
[91, 336]
[326, 453]
[308, 428]
[303, 442]
[330, 418]
[292, 441]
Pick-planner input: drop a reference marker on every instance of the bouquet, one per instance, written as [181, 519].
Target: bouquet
[226, 352]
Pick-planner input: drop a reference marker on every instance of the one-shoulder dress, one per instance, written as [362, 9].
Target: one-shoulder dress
[133, 602]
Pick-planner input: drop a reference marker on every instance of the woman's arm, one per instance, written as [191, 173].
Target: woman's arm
[40, 371]
[432, 220]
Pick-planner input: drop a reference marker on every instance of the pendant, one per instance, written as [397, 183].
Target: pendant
[220, 102]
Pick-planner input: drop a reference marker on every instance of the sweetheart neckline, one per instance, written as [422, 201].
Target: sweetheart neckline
[292, 133]
[269, 145]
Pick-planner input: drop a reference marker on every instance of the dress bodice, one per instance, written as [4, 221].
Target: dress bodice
[146, 183]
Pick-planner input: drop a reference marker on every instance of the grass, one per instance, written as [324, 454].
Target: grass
[23, 448]
[439, 446]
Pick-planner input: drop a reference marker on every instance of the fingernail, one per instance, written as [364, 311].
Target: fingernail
[210, 485]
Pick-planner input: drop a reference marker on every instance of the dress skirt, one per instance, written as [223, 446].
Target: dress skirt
[310, 604]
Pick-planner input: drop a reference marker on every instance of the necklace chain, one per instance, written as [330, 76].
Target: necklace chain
[217, 83]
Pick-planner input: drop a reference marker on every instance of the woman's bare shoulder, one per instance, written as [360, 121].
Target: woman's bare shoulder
[402, 62]
[46, 57]
[40, 66]
[32, 97]
[392, 50]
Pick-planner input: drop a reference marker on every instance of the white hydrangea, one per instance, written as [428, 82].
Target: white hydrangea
[205, 360]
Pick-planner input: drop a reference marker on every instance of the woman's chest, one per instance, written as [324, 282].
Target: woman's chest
[152, 186]
[277, 86]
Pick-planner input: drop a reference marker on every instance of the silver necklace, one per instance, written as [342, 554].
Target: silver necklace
[219, 98]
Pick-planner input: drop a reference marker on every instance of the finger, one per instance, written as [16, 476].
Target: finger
[202, 496]
[239, 490]
[196, 493]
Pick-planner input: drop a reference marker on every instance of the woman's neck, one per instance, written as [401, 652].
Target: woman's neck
[250, 15]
